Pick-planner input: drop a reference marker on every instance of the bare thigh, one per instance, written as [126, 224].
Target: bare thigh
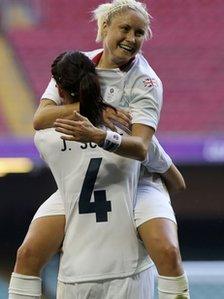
[44, 238]
[161, 241]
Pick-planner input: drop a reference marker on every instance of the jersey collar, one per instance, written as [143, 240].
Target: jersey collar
[124, 68]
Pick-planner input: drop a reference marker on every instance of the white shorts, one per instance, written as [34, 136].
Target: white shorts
[51, 207]
[138, 286]
[153, 201]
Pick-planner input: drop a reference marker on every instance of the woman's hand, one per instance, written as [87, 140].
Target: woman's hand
[82, 130]
[112, 116]
[79, 129]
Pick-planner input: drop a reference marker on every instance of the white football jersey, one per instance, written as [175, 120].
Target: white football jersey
[99, 193]
[136, 87]
[139, 89]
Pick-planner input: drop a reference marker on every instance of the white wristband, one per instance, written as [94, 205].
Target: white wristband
[112, 141]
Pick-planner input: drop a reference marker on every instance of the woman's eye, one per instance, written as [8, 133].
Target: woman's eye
[125, 29]
[140, 33]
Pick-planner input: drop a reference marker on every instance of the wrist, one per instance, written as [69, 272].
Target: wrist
[111, 142]
[100, 137]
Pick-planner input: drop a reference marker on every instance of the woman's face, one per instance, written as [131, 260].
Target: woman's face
[123, 37]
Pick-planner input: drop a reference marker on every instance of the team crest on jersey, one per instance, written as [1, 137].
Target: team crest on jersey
[149, 82]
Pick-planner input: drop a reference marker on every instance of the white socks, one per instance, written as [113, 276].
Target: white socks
[173, 287]
[24, 287]
[29, 287]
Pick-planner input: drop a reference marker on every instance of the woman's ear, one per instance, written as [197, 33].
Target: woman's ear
[61, 92]
[104, 29]
[66, 98]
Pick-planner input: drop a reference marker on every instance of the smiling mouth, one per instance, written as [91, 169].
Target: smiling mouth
[127, 48]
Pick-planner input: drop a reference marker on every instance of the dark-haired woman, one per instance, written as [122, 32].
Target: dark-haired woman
[102, 257]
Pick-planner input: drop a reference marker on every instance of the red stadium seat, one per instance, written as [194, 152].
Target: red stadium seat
[185, 51]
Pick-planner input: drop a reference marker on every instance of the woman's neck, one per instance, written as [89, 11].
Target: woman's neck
[106, 63]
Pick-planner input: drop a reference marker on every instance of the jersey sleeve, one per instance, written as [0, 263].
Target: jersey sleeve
[157, 159]
[146, 102]
[51, 93]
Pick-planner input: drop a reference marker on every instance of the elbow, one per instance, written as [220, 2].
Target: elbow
[143, 154]
[37, 123]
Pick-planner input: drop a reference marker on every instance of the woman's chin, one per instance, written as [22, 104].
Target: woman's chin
[123, 58]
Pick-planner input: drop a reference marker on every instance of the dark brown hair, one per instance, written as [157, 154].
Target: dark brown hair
[75, 73]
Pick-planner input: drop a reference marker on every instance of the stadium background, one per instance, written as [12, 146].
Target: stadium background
[187, 51]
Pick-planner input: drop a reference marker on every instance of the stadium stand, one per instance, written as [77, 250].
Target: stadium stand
[15, 95]
[192, 77]
[3, 124]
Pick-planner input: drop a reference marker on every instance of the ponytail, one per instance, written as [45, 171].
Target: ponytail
[91, 102]
[75, 73]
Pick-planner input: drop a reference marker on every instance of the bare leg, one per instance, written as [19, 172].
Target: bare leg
[43, 240]
[161, 241]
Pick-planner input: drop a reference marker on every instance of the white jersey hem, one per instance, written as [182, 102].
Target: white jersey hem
[104, 276]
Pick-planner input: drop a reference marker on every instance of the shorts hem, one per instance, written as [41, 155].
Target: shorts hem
[138, 223]
[47, 215]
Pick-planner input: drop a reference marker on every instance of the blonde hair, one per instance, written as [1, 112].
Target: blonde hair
[104, 12]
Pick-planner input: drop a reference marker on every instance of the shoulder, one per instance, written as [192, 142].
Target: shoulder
[93, 53]
[143, 65]
[51, 92]
[143, 74]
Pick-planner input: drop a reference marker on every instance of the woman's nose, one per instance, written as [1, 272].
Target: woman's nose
[130, 37]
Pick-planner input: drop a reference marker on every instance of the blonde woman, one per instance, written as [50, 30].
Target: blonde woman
[127, 81]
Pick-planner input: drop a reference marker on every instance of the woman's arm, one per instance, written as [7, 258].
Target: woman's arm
[136, 146]
[48, 111]
[50, 108]
[80, 129]
[174, 180]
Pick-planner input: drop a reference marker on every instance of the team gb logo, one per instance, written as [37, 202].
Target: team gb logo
[149, 82]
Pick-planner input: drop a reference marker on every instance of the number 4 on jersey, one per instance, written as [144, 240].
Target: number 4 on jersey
[100, 206]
